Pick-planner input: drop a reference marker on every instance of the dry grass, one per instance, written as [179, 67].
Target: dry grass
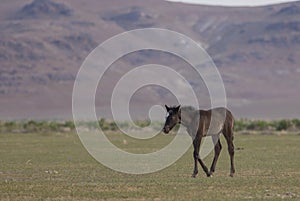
[57, 167]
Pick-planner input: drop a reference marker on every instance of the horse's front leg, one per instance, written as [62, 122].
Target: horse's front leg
[205, 169]
[195, 155]
[196, 144]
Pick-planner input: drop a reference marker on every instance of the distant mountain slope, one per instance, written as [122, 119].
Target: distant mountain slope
[40, 9]
[44, 42]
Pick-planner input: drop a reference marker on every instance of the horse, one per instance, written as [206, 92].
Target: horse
[197, 123]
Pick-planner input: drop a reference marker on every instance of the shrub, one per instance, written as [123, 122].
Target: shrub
[296, 123]
[258, 125]
[54, 126]
[69, 124]
[241, 124]
[283, 125]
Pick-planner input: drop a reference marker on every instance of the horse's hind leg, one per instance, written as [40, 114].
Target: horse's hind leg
[218, 148]
[229, 139]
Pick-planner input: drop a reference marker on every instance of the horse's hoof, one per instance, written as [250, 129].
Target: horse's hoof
[231, 174]
[194, 175]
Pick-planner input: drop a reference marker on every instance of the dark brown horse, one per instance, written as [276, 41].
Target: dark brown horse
[197, 123]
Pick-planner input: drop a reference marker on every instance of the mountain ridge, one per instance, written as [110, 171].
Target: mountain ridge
[254, 49]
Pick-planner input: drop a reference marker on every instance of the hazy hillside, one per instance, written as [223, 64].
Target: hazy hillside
[44, 42]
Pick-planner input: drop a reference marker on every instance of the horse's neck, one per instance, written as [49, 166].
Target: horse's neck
[190, 121]
[187, 118]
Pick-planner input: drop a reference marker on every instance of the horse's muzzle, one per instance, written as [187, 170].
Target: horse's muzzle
[166, 130]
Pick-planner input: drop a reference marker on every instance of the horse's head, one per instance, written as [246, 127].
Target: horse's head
[173, 118]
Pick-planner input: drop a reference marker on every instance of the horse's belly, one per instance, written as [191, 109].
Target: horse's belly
[213, 129]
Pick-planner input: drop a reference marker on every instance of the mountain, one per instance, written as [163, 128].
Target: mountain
[44, 42]
[40, 9]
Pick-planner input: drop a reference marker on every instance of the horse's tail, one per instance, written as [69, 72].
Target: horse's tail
[230, 123]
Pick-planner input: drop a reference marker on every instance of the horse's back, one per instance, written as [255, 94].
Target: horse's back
[215, 120]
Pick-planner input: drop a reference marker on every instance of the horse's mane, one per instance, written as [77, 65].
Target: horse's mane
[188, 109]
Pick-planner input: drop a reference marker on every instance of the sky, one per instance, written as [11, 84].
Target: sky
[235, 3]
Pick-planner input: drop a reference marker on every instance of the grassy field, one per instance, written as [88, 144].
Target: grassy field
[57, 167]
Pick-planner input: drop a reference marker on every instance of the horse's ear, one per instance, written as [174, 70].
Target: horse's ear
[177, 108]
[167, 108]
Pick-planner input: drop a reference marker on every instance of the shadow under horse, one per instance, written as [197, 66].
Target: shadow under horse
[202, 123]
